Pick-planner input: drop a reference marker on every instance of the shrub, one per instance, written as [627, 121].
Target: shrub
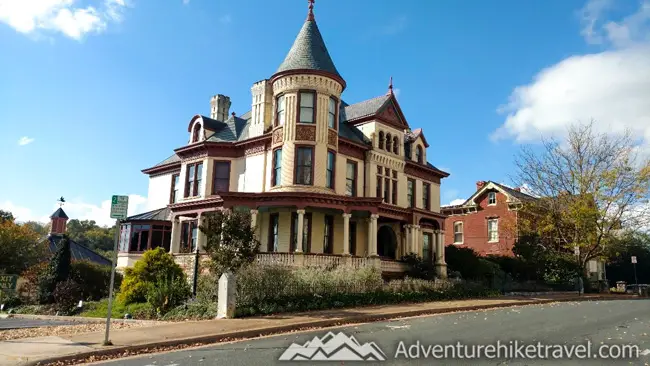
[29, 282]
[463, 260]
[94, 279]
[192, 311]
[99, 309]
[167, 293]
[66, 295]
[9, 299]
[57, 271]
[207, 288]
[230, 240]
[155, 264]
[419, 268]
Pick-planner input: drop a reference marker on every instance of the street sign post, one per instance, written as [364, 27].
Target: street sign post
[636, 280]
[119, 209]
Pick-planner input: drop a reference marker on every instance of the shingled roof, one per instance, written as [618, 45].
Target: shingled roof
[78, 252]
[232, 130]
[59, 214]
[161, 214]
[309, 52]
[362, 109]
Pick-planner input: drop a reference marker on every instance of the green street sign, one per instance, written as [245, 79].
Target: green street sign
[8, 282]
[119, 207]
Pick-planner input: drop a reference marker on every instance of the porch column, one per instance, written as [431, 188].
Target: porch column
[200, 236]
[414, 239]
[176, 236]
[372, 240]
[346, 233]
[441, 265]
[407, 239]
[254, 219]
[301, 220]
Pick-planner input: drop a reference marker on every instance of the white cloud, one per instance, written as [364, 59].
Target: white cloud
[611, 87]
[455, 202]
[65, 16]
[185, 2]
[78, 209]
[25, 141]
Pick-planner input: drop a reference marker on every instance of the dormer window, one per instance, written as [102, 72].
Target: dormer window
[389, 141]
[307, 113]
[418, 154]
[395, 145]
[196, 133]
[381, 140]
[492, 198]
[279, 110]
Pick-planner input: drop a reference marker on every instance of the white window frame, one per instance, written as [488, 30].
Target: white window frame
[461, 232]
[496, 229]
[490, 196]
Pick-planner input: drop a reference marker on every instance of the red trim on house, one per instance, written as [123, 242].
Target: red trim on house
[424, 172]
[171, 167]
[352, 149]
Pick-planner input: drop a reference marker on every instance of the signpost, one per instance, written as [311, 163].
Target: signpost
[636, 280]
[119, 209]
[8, 282]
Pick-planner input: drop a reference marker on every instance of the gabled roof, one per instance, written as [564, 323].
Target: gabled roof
[309, 53]
[415, 134]
[161, 214]
[384, 109]
[59, 214]
[359, 110]
[512, 194]
[78, 252]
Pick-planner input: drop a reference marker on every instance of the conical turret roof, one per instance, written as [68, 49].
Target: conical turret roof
[309, 53]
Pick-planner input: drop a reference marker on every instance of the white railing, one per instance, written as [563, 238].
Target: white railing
[284, 259]
[388, 265]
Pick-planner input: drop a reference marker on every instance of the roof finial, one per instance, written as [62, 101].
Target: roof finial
[310, 16]
[390, 86]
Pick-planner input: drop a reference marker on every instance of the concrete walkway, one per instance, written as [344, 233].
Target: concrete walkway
[31, 351]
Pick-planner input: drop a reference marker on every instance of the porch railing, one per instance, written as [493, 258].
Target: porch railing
[329, 260]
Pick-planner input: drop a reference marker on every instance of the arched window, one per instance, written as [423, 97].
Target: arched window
[418, 154]
[395, 145]
[196, 132]
[381, 139]
[389, 141]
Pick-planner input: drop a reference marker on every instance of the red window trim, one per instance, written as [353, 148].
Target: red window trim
[275, 110]
[356, 177]
[313, 106]
[214, 174]
[329, 151]
[273, 166]
[336, 112]
[295, 164]
[195, 182]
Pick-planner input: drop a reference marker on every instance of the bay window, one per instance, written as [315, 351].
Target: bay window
[193, 179]
[331, 113]
[279, 110]
[276, 173]
[175, 187]
[221, 181]
[331, 166]
[351, 178]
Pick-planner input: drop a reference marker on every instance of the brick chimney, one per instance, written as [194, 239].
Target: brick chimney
[219, 107]
[59, 221]
[480, 184]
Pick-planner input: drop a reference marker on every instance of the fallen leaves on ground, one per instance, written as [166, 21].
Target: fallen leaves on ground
[63, 330]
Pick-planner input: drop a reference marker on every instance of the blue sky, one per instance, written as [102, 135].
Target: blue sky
[94, 91]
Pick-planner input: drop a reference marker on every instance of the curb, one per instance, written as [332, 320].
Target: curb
[253, 333]
[80, 319]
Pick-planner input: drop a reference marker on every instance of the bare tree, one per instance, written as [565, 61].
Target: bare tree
[590, 187]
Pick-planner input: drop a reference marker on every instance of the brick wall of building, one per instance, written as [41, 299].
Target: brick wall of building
[475, 227]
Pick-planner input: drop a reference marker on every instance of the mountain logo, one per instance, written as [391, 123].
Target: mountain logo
[333, 347]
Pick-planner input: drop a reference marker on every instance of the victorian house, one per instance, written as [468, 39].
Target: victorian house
[326, 182]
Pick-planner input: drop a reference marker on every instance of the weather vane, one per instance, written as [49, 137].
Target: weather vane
[61, 201]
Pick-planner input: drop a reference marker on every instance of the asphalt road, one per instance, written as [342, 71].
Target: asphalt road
[622, 322]
[13, 323]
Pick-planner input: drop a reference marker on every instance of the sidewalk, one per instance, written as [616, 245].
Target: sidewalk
[31, 351]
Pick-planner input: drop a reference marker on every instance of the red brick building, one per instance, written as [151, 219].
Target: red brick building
[486, 222]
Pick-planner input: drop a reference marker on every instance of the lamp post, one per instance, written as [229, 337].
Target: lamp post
[195, 280]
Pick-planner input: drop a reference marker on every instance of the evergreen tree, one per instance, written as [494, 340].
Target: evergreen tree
[57, 271]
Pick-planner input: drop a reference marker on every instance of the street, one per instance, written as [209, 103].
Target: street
[606, 322]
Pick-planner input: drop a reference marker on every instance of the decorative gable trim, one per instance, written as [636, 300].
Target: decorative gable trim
[490, 186]
[389, 114]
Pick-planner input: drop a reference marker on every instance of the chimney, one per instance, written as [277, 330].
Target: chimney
[518, 189]
[480, 184]
[59, 220]
[219, 107]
